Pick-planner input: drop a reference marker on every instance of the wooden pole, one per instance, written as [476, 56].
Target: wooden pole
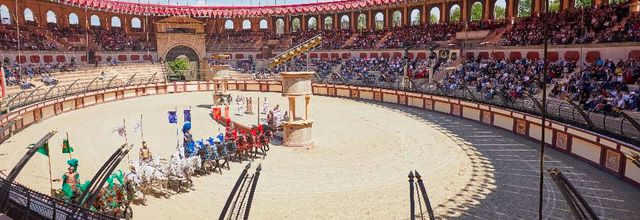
[50, 176]
[258, 110]
[126, 141]
[69, 145]
[141, 129]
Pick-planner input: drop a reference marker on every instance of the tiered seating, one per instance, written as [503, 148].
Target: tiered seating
[88, 73]
[30, 39]
[572, 26]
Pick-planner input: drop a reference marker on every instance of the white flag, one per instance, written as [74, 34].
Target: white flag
[120, 131]
[138, 127]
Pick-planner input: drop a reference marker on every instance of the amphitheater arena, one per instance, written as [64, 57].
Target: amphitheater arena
[90, 71]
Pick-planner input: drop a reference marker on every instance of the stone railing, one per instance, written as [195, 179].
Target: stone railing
[594, 148]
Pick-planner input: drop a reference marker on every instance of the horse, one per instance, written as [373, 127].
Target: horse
[147, 177]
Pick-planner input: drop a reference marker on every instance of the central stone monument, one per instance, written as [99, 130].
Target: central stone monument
[297, 130]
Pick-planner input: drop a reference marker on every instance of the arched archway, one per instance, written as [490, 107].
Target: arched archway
[5, 15]
[362, 22]
[434, 15]
[500, 10]
[28, 15]
[312, 23]
[263, 24]
[379, 21]
[477, 10]
[246, 25]
[182, 50]
[279, 26]
[396, 20]
[328, 23]
[295, 25]
[344, 22]
[115, 22]
[455, 13]
[73, 19]
[415, 17]
[52, 18]
[136, 23]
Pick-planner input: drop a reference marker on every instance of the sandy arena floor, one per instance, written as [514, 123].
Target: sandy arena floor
[357, 170]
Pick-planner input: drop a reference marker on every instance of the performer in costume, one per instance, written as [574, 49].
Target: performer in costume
[71, 186]
[188, 143]
[239, 103]
[145, 154]
[249, 106]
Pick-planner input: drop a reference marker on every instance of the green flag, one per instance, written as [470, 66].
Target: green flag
[66, 148]
[44, 149]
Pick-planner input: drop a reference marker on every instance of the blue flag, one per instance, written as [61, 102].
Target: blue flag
[173, 117]
[187, 115]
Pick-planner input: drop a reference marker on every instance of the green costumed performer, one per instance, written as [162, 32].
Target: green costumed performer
[71, 186]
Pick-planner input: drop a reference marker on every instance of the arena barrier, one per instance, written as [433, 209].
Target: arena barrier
[601, 151]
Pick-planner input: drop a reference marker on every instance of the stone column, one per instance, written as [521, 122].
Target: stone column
[307, 99]
[292, 108]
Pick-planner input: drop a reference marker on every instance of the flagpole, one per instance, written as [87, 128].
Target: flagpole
[126, 141]
[68, 146]
[177, 134]
[50, 176]
[258, 110]
[141, 130]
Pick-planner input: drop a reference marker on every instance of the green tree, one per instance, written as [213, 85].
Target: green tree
[476, 11]
[554, 5]
[397, 19]
[584, 3]
[179, 65]
[499, 12]
[524, 8]
[455, 13]
[434, 19]
[362, 22]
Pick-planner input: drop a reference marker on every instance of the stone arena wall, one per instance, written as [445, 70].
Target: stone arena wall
[600, 151]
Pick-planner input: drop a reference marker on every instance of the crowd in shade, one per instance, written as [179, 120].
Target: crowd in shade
[424, 34]
[365, 40]
[245, 66]
[29, 40]
[573, 26]
[602, 86]
[116, 39]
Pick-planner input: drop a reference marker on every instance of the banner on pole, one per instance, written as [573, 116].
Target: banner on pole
[173, 117]
[187, 115]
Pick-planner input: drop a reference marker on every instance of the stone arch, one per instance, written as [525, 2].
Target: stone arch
[476, 12]
[136, 23]
[312, 23]
[434, 15]
[116, 22]
[280, 26]
[415, 17]
[263, 24]
[455, 13]
[246, 25]
[51, 17]
[228, 25]
[5, 14]
[345, 22]
[182, 50]
[73, 19]
[361, 22]
[328, 23]
[95, 21]
[28, 15]
[379, 21]
[396, 19]
[295, 25]
[499, 9]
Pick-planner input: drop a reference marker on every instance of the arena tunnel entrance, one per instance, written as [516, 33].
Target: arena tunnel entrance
[187, 53]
